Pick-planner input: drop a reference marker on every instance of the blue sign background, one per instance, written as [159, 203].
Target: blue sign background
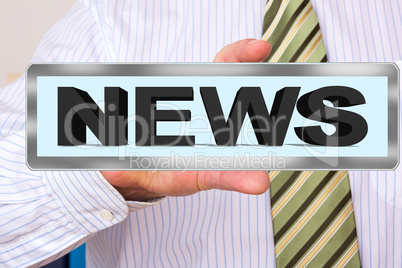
[374, 111]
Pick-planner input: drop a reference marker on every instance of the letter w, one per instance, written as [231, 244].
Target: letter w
[269, 129]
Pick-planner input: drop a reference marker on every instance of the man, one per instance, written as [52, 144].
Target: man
[46, 214]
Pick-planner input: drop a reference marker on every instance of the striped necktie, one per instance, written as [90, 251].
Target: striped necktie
[312, 212]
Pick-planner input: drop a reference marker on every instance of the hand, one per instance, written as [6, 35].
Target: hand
[143, 185]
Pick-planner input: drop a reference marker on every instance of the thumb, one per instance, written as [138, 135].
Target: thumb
[248, 182]
[247, 50]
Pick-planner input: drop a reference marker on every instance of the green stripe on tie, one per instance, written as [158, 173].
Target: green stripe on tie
[312, 211]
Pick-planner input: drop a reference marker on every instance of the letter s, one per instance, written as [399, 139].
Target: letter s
[351, 128]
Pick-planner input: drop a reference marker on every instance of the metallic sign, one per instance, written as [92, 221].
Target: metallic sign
[213, 116]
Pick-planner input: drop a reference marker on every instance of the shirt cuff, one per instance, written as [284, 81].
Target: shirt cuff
[87, 198]
[90, 201]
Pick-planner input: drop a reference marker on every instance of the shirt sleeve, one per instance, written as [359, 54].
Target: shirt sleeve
[45, 214]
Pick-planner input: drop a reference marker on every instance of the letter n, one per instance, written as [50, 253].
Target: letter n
[77, 110]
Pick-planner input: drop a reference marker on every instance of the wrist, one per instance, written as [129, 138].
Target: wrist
[136, 194]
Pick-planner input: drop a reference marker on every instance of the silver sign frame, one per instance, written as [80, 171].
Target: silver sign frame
[389, 70]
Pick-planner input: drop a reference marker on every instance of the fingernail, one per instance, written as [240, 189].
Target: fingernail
[252, 42]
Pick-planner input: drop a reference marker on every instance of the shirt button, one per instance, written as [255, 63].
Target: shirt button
[106, 215]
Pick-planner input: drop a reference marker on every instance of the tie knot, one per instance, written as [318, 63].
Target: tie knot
[291, 27]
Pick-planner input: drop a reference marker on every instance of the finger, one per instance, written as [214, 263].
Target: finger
[125, 178]
[247, 50]
[248, 182]
[177, 183]
[158, 183]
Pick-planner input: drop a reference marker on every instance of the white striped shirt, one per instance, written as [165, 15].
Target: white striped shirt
[46, 214]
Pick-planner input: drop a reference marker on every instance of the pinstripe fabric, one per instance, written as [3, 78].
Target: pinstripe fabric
[213, 228]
